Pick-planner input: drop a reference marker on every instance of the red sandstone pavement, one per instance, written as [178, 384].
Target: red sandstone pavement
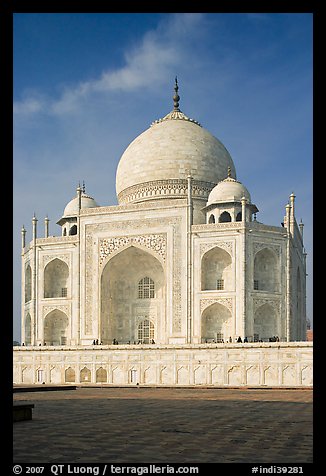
[166, 426]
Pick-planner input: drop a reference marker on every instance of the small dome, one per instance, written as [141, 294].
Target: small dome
[229, 190]
[72, 207]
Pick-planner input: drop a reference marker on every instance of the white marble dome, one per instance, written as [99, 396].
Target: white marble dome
[71, 208]
[228, 190]
[157, 163]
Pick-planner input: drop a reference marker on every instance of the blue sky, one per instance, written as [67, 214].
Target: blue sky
[86, 84]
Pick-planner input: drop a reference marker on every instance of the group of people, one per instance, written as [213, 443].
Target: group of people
[96, 342]
[274, 339]
[239, 340]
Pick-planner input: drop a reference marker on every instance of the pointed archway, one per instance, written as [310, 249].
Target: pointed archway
[56, 325]
[216, 323]
[132, 291]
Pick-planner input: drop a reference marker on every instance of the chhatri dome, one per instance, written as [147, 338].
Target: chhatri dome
[71, 208]
[157, 163]
[228, 190]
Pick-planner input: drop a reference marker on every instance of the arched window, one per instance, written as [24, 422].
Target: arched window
[211, 219]
[146, 288]
[266, 271]
[146, 331]
[225, 217]
[28, 283]
[216, 270]
[70, 375]
[239, 217]
[101, 375]
[85, 375]
[28, 330]
[73, 230]
[56, 274]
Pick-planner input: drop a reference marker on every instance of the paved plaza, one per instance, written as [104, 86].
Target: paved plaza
[166, 426]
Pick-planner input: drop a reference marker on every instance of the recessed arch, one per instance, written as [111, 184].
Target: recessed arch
[265, 322]
[266, 271]
[216, 323]
[28, 283]
[70, 375]
[56, 275]
[28, 329]
[122, 306]
[211, 219]
[73, 230]
[225, 217]
[56, 326]
[216, 269]
[101, 375]
[85, 375]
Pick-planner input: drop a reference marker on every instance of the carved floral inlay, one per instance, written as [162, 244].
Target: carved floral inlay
[275, 303]
[227, 302]
[65, 309]
[154, 242]
[224, 245]
[62, 257]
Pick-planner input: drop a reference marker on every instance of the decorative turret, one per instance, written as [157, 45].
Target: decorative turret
[68, 221]
[228, 201]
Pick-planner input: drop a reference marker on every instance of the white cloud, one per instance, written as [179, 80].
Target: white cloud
[147, 63]
[30, 105]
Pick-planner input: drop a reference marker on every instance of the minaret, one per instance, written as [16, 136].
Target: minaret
[23, 233]
[243, 208]
[34, 224]
[301, 225]
[79, 195]
[46, 227]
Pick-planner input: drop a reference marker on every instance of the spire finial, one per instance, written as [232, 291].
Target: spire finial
[176, 97]
[84, 186]
[229, 171]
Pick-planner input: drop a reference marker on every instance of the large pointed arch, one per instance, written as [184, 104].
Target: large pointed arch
[56, 276]
[123, 306]
[28, 283]
[216, 323]
[28, 329]
[216, 268]
[265, 322]
[266, 271]
[56, 326]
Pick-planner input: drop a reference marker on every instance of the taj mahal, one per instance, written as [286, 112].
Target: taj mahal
[178, 284]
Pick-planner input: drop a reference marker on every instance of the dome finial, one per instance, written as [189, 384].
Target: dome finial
[229, 171]
[176, 97]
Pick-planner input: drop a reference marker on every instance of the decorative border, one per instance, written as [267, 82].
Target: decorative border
[47, 258]
[275, 303]
[206, 302]
[258, 246]
[224, 245]
[154, 242]
[170, 188]
[47, 309]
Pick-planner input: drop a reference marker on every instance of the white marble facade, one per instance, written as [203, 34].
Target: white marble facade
[181, 260]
